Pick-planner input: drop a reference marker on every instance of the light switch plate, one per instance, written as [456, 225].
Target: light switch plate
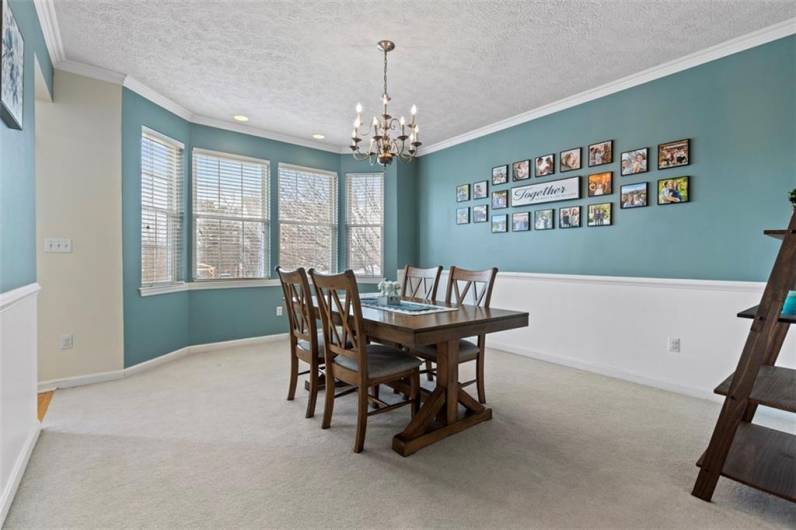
[58, 244]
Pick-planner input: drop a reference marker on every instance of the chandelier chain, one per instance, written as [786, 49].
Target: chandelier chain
[385, 72]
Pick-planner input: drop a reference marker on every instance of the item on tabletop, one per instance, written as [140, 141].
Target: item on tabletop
[500, 174]
[500, 223]
[789, 307]
[521, 170]
[569, 217]
[569, 160]
[545, 165]
[480, 213]
[633, 195]
[600, 184]
[634, 161]
[500, 199]
[520, 221]
[543, 219]
[481, 189]
[674, 154]
[552, 191]
[673, 191]
[601, 153]
[463, 193]
[599, 214]
[389, 292]
[12, 69]
[462, 216]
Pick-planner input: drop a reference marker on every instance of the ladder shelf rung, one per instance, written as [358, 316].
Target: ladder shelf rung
[752, 311]
[774, 387]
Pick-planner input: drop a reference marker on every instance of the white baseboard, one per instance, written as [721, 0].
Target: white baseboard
[17, 472]
[69, 382]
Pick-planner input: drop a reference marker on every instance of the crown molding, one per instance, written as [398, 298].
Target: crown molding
[156, 97]
[739, 44]
[89, 70]
[45, 9]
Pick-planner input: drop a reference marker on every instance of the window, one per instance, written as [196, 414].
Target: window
[161, 209]
[230, 216]
[365, 223]
[307, 218]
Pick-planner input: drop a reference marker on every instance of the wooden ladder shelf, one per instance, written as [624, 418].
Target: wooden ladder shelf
[754, 455]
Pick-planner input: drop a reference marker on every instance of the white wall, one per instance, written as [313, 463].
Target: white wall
[78, 196]
[19, 428]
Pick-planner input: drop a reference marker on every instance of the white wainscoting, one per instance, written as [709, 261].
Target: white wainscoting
[19, 428]
[620, 327]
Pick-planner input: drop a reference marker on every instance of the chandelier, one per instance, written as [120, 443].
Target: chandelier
[383, 147]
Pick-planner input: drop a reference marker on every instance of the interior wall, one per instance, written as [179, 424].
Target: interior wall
[78, 196]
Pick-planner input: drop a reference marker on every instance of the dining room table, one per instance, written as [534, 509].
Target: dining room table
[442, 325]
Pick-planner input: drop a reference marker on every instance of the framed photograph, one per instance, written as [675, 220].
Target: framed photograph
[674, 154]
[500, 174]
[545, 165]
[569, 160]
[599, 214]
[600, 184]
[633, 195]
[569, 217]
[12, 68]
[601, 153]
[520, 221]
[634, 161]
[673, 191]
[462, 216]
[543, 219]
[500, 223]
[500, 199]
[551, 191]
[521, 170]
[481, 189]
[462, 193]
[480, 213]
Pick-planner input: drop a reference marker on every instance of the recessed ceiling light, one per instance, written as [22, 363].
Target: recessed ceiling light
[318, 136]
[241, 118]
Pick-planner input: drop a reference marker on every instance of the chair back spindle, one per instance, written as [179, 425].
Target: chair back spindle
[421, 283]
[478, 284]
[298, 303]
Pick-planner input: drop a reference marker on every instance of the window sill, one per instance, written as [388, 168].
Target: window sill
[206, 285]
[369, 279]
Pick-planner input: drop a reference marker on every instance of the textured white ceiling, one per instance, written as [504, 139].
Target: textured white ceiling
[299, 67]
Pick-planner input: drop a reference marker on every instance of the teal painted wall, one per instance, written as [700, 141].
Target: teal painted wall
[740, 113]
[18, 163]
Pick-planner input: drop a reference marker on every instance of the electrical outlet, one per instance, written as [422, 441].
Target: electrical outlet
[279, 310]
[58, 244]
[67, 342]
[674, 344]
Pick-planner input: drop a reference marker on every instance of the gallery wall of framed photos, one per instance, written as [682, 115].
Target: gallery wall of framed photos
[659, 180]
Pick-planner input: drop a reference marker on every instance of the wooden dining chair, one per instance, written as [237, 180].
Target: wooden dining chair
[422, 284]
[306, 342]
[351, 359]
[471, 288]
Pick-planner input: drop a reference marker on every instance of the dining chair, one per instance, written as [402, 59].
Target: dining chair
[478, 285]
[422, 284]
[351, 359]
[306, 342]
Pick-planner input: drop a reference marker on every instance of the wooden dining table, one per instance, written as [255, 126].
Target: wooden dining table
[439, 415]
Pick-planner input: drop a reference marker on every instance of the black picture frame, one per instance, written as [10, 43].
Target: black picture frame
[515, 165]
[589, 207]
[500, 193]
[465, 219]
[602, 162]
[552, 165]
[500, 175]
[563, 153]
[568, 209]
[551, 216]
[591, 192]
[622, 196]
[500, 223]
[6, 113]
[686, 179]
[476, 186]
[624, 173]
[465, 188]
[520, 215]
[480, 213]
[673, 143]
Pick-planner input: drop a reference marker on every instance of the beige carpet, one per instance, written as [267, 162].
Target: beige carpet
[209, 441]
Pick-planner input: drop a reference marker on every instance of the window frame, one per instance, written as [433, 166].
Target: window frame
[178, 213]
[349, 225]
[266, 220]
[335, 226]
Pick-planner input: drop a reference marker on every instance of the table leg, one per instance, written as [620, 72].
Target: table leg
[448, 377]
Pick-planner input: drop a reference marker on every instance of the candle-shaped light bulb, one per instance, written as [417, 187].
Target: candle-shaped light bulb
[403, 121]
[354, 133]
[359, 108]
[385, 99]
[414, 110]
[375, 121]
[357, 123]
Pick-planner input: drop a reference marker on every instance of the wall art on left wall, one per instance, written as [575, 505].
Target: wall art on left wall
[12, 69]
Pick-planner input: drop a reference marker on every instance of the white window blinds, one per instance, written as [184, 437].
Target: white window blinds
[230, 214]
[365, 223]
[161, 209]
[307, 218]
